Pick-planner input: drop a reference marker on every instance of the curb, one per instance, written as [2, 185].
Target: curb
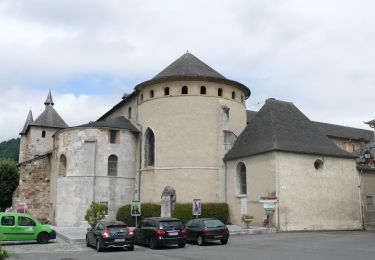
[253, 231]
[70, 240]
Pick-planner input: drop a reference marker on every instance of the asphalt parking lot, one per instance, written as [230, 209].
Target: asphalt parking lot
[342, 245]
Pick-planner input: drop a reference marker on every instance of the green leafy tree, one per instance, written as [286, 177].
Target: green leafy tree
[3, 253]
[95, 213]
[8, 182]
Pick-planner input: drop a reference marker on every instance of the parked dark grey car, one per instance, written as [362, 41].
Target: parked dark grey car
[207, 229]
[110, 234]
[160, 231]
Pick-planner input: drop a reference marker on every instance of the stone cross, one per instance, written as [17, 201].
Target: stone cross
[168, 202]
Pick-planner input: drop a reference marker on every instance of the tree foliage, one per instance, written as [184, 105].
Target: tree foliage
[10, 149]
[95, 213]
[8, 182]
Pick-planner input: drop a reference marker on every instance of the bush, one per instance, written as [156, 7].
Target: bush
[209, 210]
[182, 212]
[95, 213]
[3, 253]
[147, 210]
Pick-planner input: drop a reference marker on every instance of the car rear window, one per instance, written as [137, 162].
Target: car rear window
[213, 223]
[117, 229]
[171, 225]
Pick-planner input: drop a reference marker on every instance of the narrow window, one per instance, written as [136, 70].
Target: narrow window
[151, 93]
[184, 90]
[166, 91]
[129, 113]
[203, 90]
[220, 92]
[62, 166]
[233, 95]
[241, 178]
[112, 165]
[241, 99]
[113, 136]
[141, 97]
[149, 148]
[369, 202]
[43, 134]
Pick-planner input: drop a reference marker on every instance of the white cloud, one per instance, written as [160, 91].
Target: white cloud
[317, 54]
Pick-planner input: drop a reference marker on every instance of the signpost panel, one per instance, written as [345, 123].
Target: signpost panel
[196, 207]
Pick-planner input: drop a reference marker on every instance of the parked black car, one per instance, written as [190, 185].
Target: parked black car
[110, 234]
[159, 231]
[205, 229]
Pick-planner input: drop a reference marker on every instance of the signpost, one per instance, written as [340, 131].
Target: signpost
[135, 210]
[196, 207]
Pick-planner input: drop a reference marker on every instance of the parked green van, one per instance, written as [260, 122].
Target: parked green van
[22, 226]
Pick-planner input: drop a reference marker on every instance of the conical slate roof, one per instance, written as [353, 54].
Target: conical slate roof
[280, 126]
[49, 101]
[28, 121]
[113, 122]
[188, 66]
[49, 118]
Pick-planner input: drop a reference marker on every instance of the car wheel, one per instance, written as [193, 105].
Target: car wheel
[181, 244]
[153, 243]
[200, 241]
[98, 246]
[43, 238]
[224, 241]
[131, 248]
[87, 241]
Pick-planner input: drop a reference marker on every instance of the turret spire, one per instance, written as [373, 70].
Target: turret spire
[49, 101]
[28, 121]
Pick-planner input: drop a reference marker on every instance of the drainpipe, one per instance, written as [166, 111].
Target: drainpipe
[360, 199]
[94, 184]
[225, 182]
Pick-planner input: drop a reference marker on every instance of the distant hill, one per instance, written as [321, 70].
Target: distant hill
[10, 149]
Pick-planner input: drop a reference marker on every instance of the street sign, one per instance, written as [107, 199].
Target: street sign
[135, 208]
[196, 207]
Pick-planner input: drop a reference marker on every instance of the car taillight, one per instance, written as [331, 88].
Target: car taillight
[130, 232]
[159, 232]
[226, 230]
[105, 232]
[205, 230]
[183, 231]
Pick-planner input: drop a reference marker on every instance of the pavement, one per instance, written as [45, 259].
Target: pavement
[75, 235]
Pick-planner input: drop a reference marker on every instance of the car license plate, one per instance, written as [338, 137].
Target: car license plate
[119, 240]
[173, 233]
[218, 236]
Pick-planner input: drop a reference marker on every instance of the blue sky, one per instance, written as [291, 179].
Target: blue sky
[317, 54]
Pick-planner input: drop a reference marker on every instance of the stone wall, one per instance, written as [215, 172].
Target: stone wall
[34, 187]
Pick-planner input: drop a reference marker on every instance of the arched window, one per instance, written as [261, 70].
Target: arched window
[241, 178]
[166, 91]
[129, 113]
[220, 92]
[149, 148]
[203, 90]
[112, 165]
[62, 166]
[233, 95]
[151, 93]
[241, 99]
[43, 134]
[184, 90]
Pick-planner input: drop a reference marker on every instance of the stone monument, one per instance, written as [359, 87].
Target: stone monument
[168, 202]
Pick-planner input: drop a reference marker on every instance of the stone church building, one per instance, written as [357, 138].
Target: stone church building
[188, 128]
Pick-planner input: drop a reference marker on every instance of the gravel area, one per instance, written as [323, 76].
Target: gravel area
[21, 247]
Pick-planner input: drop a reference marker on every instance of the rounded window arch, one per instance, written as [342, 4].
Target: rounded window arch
[149, 148]
[43, 134]
[112, 165]
[233, 95]
[203, 90]
[166, 91]
[62, 166]
[129, 113]
[241, 178]
[151, 93]
[184, 90]
[220, 92]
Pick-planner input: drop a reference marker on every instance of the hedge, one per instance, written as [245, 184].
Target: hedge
[182, 212]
